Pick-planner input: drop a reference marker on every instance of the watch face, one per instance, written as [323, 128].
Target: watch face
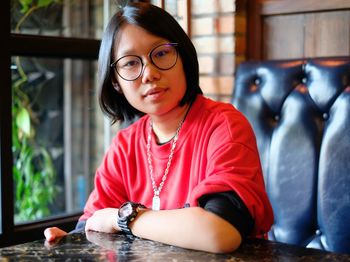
[125, 210]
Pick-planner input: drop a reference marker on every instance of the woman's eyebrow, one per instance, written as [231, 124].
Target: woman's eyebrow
[132, 50]
[127, 51]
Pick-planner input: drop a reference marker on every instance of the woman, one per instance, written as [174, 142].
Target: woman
[187, 173]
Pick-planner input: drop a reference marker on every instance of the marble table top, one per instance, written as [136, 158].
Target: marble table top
[117, 247]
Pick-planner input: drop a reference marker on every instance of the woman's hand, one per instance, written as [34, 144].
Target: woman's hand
[53, 233]
[103, 220]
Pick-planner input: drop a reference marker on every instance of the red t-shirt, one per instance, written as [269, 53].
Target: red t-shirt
[216, 152]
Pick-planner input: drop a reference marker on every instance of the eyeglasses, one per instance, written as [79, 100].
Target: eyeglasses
[163, 57]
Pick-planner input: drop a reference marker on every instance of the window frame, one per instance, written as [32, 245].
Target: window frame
[38, 46]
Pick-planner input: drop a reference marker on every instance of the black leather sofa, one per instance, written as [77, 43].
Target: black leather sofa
[300, 112]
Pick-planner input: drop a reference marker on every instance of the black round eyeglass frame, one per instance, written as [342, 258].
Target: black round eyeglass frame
[113, 65]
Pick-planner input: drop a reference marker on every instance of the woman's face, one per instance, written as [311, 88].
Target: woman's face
[156, 91]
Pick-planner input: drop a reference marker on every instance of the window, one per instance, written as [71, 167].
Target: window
[54, 136]
[51, 129]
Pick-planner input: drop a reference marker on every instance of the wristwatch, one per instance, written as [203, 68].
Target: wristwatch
[127, 213]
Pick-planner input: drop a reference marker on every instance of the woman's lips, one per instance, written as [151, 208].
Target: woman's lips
[154, 93]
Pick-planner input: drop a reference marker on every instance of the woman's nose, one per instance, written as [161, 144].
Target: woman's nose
[150, 73]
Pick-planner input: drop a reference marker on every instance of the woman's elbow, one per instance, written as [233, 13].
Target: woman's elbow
[225, 240]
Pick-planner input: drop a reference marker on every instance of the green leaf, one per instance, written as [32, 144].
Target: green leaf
[23, 121]
[44, 3]
[25, 5]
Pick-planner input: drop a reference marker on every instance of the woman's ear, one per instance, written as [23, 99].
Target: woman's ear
[116, 85]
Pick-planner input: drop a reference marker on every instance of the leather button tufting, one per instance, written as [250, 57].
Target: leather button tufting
[301, 119]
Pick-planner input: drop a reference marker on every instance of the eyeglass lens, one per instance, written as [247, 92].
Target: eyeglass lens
[130, 67]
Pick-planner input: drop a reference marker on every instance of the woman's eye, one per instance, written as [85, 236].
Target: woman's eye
[161, 53]
[130, 63]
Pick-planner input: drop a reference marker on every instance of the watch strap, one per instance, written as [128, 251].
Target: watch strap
[123, 223]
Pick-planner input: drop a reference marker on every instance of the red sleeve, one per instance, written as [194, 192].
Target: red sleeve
[234, 164]
[108, 190]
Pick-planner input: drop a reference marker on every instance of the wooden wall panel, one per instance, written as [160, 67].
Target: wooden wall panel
[284, 29]
[283, 36]
[327, 34]
[274, 7]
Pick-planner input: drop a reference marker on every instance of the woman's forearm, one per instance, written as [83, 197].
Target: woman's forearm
[193, 228]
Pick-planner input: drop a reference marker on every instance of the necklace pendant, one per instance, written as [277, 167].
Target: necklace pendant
[156, 203]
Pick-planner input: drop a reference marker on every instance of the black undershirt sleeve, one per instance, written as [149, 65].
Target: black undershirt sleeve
[229, 206]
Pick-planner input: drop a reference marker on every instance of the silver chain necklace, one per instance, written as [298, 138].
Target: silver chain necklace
[156, 190]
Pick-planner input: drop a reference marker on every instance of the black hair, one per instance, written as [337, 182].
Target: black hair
[160, 23]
